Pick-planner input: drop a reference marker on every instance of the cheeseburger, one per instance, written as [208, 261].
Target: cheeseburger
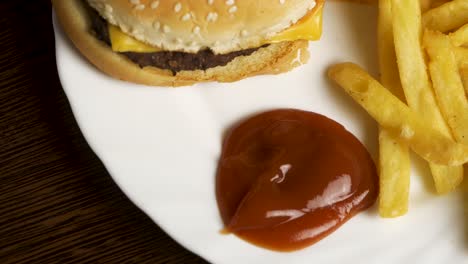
[181, 42]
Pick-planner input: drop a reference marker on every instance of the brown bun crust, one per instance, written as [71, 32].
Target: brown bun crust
[274, 59]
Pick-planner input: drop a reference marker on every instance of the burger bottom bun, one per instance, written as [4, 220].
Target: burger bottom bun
[276, 58]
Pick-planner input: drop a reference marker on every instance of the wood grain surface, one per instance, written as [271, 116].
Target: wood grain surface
[57, 202]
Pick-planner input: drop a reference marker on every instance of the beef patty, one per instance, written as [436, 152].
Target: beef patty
[169, 60]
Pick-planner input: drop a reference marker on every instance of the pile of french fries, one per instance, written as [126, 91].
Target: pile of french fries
[421, 101]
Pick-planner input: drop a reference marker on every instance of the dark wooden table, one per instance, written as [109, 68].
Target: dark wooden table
[57, 202]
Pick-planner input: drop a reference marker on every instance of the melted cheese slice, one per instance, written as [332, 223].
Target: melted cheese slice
[308, 28]
[122, 42]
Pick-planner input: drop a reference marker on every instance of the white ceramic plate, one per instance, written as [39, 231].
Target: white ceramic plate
[161, 147]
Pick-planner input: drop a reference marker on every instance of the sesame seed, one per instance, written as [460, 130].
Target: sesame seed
[177, 7]
[155, 4]
[233, 9]
[140, 7]
[186, 17]
[212, 17]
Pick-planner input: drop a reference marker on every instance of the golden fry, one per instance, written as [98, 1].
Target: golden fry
[410, 58]
[437, 3]
[397, 118]
[428, 4]
[425, 5]
[460, 37]
[447, 17]
[464, 75]
[394, 160]
[447, 178]
[462, 56]
[447, 83]
[394, 175]
[407, 27]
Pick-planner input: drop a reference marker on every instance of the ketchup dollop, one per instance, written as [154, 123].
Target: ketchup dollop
[287, 178]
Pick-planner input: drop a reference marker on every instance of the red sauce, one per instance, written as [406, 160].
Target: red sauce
[287, 178]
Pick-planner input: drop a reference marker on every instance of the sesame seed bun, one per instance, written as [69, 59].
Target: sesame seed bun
[73, 15]
[190, 25]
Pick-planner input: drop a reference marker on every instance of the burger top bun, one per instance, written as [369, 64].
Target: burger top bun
[191, 25]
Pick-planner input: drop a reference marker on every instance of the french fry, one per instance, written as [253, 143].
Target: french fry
[397, 118]
[447, 83]
[447, 17]
[437, 3]
[462, 56]
[460, 37]
[407, 29]
[394, 175]
[425, 5]
[389, 73]
[446, 178]
[410, 58]
[464, 75]
[394, 160]
[428, 4]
